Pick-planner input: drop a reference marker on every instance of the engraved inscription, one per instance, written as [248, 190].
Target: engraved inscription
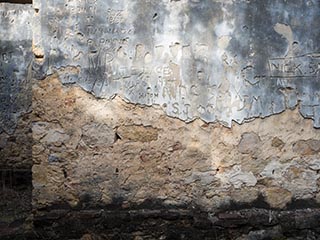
[194, 58]
[301, 66]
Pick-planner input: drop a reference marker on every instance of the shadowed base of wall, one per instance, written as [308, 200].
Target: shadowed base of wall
[16, 179]
[15, 202]
[154, 220]
[87, 151]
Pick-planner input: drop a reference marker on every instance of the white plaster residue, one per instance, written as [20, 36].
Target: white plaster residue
[172, 28]
[223, 29]
[273, 170]
[237, 177]
[303, 185]
[315, 164]
[223, 41]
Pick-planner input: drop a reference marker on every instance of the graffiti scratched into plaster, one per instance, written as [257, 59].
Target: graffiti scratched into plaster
[218, 61]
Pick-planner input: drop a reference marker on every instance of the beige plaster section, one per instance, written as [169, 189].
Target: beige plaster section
[105, 150]
[285, 31]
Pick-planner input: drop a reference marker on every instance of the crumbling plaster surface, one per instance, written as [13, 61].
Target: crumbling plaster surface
[136, 173]
[102, 150]
[15, 64]
[200, 106]
[204, 62]
[15, 118]
[15, 84]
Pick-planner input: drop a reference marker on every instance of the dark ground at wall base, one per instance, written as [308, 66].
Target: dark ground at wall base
[15, 201]
[160, 222]
[149, 220]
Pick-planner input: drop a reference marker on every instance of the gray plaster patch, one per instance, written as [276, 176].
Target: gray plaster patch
[15, 60]
[215, 60]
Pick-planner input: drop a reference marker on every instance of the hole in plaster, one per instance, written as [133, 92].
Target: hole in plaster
[155, 16]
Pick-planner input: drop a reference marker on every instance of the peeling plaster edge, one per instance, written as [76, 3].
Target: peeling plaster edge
[55, 73]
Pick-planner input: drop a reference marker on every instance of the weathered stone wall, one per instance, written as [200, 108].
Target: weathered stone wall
[162, 119]
[15, 80]
[15, 118]
[106, 150]
[92, 154]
